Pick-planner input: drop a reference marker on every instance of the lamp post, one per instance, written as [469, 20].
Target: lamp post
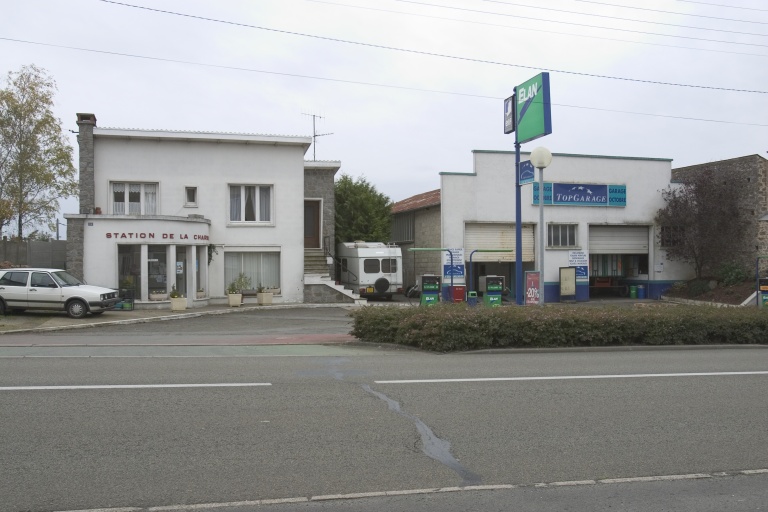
[541, 158]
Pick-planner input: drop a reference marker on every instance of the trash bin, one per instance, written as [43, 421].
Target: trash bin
[472, 299]
[640, 291]
[633, 292]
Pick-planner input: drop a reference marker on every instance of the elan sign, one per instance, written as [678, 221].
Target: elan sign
[533, 109]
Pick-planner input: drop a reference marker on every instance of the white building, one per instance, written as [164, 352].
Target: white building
[192, 210]
[601, 211]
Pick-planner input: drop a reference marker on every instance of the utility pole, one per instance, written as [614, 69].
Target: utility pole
[315, 135]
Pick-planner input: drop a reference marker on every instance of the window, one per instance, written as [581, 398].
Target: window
[250, 203]
[371, 266]
[14, 279]
[134, 198]
[389, 266]
[672, 236]
[404, 227]
[42, 280]
[262, 267]
[190, 196]
[561, 235]
[344, 265]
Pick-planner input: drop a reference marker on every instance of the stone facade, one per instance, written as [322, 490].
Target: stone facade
[750, 174]
[426, 234]
[319, 184]
[86, 123]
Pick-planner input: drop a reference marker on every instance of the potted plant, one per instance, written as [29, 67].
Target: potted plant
[158, 294]
[178, 301]
[264, 295]
[200, 293]
[235, 289]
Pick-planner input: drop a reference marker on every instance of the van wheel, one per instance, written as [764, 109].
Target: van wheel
[76, 309]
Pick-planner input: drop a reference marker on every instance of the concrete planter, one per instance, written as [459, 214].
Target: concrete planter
[200, 295]
[235, 299]
[178, 303]
[265, 298]
[158, 296]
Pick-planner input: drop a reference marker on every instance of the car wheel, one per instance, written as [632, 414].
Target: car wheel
[76, 309]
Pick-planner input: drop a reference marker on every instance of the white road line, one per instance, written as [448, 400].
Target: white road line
[570, 377]
[134, 386]
[434, 490]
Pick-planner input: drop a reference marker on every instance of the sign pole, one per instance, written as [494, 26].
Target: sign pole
[519, 295]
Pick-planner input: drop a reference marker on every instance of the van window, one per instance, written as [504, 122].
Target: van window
[371, 266]
[343, 264]
[389, 266]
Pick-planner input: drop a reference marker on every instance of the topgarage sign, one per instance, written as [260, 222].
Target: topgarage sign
[582, 194]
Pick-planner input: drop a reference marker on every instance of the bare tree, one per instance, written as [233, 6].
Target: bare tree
[703, 223]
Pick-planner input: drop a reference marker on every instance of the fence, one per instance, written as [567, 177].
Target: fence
[50, 254]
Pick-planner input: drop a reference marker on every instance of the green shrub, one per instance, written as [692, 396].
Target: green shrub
[698, 287]
[457, 327]
[732, 273]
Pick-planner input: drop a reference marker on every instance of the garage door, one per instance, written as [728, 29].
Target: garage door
[618, 239]
[486, 235]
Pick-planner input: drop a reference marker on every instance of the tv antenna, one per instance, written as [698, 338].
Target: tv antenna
[315, 135]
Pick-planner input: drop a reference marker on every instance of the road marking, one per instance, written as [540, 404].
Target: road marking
[433, 490]
[134, 386]
[570, 377]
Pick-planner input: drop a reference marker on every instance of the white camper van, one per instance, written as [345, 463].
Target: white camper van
[372, 269]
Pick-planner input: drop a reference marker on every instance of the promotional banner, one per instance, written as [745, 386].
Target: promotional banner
[531, 288]
[453, 266]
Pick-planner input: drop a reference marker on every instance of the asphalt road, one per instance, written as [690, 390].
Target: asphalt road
[195, 425]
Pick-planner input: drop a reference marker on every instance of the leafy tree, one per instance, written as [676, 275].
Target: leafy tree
[362, 213]
[703, 223]
[35, 159]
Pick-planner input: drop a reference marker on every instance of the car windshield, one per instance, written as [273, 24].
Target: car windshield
[65, 279]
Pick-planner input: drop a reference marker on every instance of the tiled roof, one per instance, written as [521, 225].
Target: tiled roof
[417, 202]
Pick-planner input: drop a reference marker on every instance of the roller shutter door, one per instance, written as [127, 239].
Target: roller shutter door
[486, 235]
[618, 239]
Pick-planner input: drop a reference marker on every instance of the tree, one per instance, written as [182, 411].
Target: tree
[362, 213]
[35, 159]
[703, 223]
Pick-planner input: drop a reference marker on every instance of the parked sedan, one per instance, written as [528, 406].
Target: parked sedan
[44, 288]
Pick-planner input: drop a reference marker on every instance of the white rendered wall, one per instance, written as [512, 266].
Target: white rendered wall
[211, 167]
[488, 195]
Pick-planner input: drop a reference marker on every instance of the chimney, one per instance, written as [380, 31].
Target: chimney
[86, 123]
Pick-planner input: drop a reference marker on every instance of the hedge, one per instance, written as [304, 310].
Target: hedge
[454, 327]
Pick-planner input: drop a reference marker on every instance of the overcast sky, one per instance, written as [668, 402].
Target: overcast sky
[398, 116]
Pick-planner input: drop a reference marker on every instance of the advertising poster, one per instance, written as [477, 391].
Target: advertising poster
[531, 288]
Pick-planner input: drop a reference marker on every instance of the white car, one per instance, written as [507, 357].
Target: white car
[45, 288]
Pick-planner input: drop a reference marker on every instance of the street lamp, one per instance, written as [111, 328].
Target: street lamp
[541, 158]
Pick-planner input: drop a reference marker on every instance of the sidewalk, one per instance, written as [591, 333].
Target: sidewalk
[42, 321]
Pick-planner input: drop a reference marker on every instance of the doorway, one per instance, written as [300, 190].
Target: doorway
[311, 224]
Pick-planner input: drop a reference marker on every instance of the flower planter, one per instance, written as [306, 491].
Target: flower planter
[265, 298]
[235, 299]
[178, 303]
[158, 296]
[200, 295]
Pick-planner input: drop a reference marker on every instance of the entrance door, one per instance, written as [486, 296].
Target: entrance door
[311, 224]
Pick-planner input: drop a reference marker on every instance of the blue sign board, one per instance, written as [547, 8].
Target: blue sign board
[453, 270]
[582, 194]
[527, 172]
[582, 272]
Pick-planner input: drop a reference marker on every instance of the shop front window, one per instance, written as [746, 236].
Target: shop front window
[129, 270]
[157, 268]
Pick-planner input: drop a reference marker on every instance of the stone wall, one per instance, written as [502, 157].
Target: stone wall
[750, 174]
[426, 234]
[322, 294]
